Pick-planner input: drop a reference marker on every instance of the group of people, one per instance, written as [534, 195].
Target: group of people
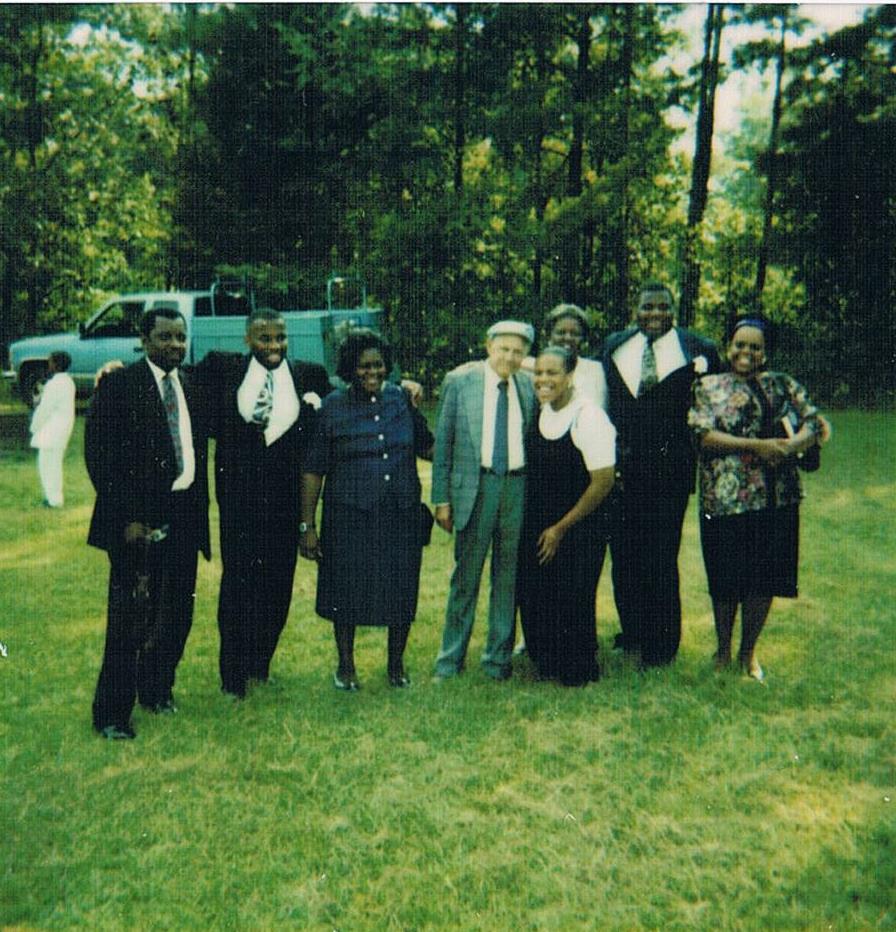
[540, 460]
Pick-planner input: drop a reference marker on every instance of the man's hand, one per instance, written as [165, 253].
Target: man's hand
[136, 531]
[414, 389]
[443, 518]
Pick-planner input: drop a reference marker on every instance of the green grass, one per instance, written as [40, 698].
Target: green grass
[676, 799]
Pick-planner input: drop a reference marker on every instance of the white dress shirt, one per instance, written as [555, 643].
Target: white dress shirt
[188, 474]
[285, 410]
[667, 350]
[516, 457]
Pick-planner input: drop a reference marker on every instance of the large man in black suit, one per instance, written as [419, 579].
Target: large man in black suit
[262, 408]
[145, 450]
[650, 369]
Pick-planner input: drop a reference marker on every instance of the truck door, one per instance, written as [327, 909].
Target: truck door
[112, 334]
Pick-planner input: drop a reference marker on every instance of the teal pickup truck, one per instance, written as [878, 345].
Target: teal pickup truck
[216, 320]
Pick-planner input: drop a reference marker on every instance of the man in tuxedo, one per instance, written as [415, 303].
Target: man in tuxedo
[145, 450]
[478, 486]
[650, 369]
[263, 408]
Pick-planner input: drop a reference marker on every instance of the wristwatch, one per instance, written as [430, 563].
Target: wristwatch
[305, 528]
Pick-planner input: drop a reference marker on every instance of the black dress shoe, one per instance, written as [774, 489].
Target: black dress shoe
[399, 680]
[117, 732]
[162, 708]
[348, 683]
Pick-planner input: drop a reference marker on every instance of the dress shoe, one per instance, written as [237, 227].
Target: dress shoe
[348, 683]
[117, 732]
[499, 675]
[167, 707]
[755, 672]
[399, 680]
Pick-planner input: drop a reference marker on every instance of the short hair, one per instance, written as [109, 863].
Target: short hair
[655, 284]
[757, 320]
[561, 312]
[61, 361]
[265, 314]
[148, 319]
[355, 342]
[566, 357]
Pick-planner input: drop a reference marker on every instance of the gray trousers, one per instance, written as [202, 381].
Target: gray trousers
[495, 523]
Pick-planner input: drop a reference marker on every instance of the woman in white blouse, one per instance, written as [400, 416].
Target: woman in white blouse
[570, 467]
[51, 427]
[567, 325]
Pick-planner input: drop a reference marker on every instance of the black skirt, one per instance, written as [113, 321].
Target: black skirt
[369, 571]
[752, 554]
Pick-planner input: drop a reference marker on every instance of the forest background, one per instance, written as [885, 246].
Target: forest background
[467, 161]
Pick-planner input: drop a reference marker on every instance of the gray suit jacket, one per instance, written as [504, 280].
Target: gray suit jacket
[457, 455]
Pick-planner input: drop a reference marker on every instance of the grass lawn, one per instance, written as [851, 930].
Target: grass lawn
[676, 799]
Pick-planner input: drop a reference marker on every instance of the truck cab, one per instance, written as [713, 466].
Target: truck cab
[216, 320]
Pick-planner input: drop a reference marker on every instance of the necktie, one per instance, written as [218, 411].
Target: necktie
[499, 452]
[264, 404]
[172, 412]
[648, 369]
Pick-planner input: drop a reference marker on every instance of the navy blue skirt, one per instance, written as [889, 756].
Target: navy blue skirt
[752, 554]
[369, 573]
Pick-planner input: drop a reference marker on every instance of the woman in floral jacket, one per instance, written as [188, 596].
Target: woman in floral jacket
[751, 426]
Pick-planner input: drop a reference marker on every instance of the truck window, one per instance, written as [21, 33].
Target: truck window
[118, 320]
[203, 307]
[231, 303]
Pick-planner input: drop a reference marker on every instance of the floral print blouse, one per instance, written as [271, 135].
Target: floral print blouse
[735, 483]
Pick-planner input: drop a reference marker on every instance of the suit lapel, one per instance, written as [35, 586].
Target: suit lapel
[473, 405]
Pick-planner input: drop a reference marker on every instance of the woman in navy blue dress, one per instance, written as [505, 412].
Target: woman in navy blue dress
[369, 549]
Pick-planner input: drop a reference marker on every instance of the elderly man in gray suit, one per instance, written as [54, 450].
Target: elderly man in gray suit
[478, 485]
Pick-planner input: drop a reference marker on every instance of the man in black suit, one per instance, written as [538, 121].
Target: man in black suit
[650, 369]
[145, 449]
[262, 408]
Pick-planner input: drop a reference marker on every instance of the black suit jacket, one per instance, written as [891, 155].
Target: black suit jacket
[244, 467]
[654, 444]
[131, 461]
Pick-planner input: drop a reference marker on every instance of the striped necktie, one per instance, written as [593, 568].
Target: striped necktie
[172, 412]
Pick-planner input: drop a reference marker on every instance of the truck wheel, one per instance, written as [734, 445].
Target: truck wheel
[31, 385]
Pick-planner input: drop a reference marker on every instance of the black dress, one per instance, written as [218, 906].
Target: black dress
[557, 599]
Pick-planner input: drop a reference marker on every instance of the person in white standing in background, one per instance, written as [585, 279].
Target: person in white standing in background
[51, 427]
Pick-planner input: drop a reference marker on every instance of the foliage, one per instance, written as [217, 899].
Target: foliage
[468, 161]
[675, 799]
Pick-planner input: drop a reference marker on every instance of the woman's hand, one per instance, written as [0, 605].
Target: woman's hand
[309, 545]
[549, 543]
[774, 450]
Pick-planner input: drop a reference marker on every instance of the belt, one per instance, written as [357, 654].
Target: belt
[486, 471]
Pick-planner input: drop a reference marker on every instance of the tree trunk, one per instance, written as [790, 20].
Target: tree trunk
[620, 243]
[771, 177]
[709, 79]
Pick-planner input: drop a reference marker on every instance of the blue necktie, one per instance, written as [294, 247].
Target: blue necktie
[499, 452]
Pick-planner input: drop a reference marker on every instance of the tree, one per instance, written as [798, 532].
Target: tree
[709, 80]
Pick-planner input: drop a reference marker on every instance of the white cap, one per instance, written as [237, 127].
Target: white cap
[511, 328]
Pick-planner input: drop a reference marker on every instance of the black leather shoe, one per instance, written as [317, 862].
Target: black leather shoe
[348, 683]
[399, 680]
[117, 733]
[162, 708]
